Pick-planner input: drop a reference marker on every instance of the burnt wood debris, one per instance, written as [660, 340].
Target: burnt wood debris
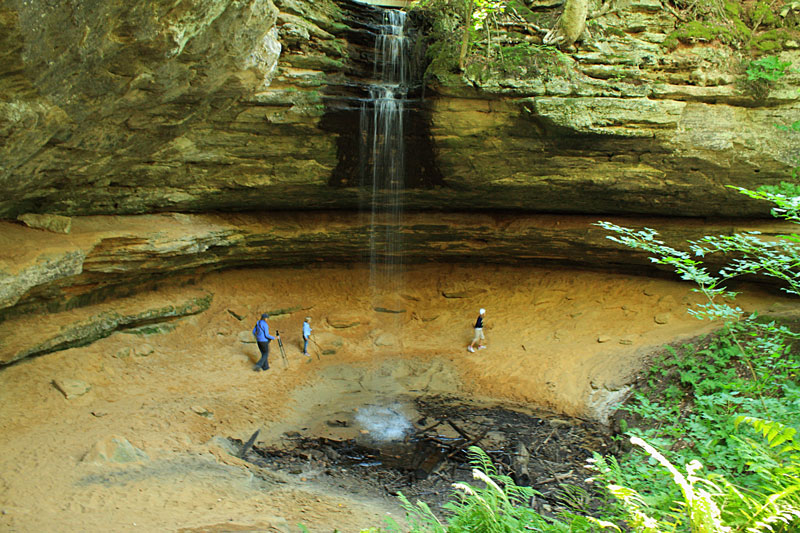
[540, 450]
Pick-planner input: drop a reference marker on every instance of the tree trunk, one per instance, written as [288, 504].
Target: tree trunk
[469, 6]
[570, 24]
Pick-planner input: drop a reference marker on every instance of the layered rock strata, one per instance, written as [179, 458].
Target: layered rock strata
[29, 335]
[108, 256]
[116, 108]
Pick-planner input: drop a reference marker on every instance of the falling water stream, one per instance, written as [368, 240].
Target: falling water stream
[382, 151]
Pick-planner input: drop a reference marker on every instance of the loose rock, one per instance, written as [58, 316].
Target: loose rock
[54, 223]
[662, 318]
[115, 449]
[71, 388]
[343, 321]
[143, 350]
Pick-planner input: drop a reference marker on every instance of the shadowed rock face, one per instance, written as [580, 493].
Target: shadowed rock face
[114, 256]
[133, 107]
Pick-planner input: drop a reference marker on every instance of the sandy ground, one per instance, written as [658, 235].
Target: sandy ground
[565, 340]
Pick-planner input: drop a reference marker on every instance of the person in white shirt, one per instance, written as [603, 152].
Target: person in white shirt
[479, 337]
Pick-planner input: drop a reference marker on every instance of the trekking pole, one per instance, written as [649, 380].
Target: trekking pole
[280, 345]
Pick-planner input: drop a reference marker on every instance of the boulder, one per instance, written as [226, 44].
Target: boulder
[662, 318]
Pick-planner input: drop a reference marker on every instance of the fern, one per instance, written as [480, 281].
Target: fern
[778, 465]
[775, 433]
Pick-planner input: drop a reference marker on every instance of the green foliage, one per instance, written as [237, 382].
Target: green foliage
[769, 69]
[751, 26]
[698, 32]
[696, 509]
[497, 44]
[713, 504]
[697, 397]
[499, 506]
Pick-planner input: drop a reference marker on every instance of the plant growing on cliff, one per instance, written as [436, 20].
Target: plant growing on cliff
[751, 26]
[487, 39]
[763, 73]
[475, 16]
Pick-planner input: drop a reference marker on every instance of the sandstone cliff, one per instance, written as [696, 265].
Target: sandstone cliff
[134, 108]
[112, 108]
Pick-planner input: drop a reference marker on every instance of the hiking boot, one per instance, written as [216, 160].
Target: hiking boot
[470, 349]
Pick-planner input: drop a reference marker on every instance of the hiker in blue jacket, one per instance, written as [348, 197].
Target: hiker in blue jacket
[261, 331]
[306, 335]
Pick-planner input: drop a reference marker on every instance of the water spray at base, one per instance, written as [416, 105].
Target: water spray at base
[384, 423]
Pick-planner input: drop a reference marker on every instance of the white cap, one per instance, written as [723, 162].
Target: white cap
[482, 311]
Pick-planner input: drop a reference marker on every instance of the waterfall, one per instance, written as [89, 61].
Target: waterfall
[382, 151]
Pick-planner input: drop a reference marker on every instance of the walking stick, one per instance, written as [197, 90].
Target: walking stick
[280, 345]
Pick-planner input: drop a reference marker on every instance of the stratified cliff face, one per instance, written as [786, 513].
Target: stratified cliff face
[133, 107]
[213, 106]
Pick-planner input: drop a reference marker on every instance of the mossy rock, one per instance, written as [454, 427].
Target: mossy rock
[697, 31]
[770, 41]
[763, 12]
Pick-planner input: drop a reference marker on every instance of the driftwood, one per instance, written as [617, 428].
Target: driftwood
[249, 443]
[429, 463]
[467, 444]
[519, 465]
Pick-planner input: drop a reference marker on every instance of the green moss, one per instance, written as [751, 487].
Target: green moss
[522, 10]
[763, 12]
[477, 71]
[734, 25]
[741, 31]
[337, 28]
[443, 62]
[337, 48]
[733, 9]
[769, 41]
[530, 60]
[697, 31]
[613, 30]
